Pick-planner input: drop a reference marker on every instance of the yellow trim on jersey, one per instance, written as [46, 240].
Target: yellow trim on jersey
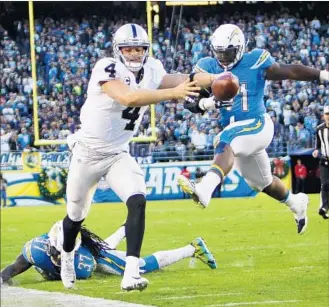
[262, 58]
[113, 262]
[28, 253]
[248, 129]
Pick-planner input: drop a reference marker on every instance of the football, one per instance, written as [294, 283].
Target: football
[225, 87]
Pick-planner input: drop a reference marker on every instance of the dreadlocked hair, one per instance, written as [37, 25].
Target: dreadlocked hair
[93, 242]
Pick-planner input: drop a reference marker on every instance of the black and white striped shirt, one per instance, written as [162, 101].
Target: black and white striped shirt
[322, 140]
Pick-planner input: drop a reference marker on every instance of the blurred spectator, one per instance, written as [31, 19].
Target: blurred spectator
[300, 175]
[303, 135]
[5, 140]
[67, 49]
[24, 139]
[185, 172]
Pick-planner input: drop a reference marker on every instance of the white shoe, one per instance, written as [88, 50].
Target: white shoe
[130, 283]
[67, 269]
[189, 187]
[299, 209]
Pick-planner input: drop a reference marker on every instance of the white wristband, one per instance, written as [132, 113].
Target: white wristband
[324, 75]
[207, 103]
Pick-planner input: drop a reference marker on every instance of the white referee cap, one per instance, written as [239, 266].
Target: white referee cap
[326, 109]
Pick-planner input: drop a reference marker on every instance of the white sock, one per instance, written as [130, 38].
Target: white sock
[289, 201]
[209, 183]
[114, 239]
[132, 266]
[166, 258]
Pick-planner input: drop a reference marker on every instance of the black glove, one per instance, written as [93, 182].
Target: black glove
[222, 104]
[191, 103]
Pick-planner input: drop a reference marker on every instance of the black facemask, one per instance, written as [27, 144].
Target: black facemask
[226, 56]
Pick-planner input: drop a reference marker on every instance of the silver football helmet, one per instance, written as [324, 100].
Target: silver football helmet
[131, 35]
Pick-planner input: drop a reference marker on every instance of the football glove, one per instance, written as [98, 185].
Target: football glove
[197, 105]
[212, 103]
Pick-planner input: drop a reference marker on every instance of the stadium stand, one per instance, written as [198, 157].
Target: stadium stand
[67, 49]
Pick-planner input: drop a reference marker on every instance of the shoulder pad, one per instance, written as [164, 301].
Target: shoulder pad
[154, 63]
[205, 65]
[258, 57]
[102, 63]
[106, 61]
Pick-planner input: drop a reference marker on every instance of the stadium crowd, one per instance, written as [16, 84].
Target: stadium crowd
[67, 49]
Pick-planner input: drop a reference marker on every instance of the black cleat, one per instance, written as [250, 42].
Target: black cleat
[324, 213]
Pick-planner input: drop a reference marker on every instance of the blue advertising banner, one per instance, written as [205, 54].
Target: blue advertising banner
[161, 182]
[40, 179]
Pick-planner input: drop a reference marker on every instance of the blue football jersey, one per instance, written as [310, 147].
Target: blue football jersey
[38, 252]
[114, 262]
[249, 103]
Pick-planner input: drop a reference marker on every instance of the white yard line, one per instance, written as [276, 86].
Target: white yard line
[253, 303]
[14, 297]
[197, 295]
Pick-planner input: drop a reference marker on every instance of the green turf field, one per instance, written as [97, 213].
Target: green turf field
[262, 261]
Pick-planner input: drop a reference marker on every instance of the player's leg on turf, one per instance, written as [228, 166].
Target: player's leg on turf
[114, 239]
[256, 169]
[243, 137]
[85, 171]
[197, 249]
[126, 179]
[111, 262]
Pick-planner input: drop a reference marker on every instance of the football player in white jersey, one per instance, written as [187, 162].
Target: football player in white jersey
[119, 91]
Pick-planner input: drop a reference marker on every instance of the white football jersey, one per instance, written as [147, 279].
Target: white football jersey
[106, 125]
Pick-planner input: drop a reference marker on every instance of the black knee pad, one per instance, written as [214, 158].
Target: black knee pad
[71, 225]
[135, 224]
[136, 203]
[70, 231]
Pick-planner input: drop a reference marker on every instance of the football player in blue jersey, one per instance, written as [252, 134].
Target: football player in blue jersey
[94, 254]
[248, 129]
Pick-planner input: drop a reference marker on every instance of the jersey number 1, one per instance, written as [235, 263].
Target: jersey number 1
[244, 100]
[131, 114]
[244, 97]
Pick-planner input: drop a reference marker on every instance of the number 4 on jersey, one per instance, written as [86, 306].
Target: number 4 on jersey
[111, 70]
[131, 114]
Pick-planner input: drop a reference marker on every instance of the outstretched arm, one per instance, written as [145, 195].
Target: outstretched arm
[126, 96]
[18, 267]
[173, 80]
[295, 72]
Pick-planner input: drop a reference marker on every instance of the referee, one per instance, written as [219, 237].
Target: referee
[322, 145]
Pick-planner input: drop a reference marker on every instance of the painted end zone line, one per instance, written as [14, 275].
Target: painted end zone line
[14, 296]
